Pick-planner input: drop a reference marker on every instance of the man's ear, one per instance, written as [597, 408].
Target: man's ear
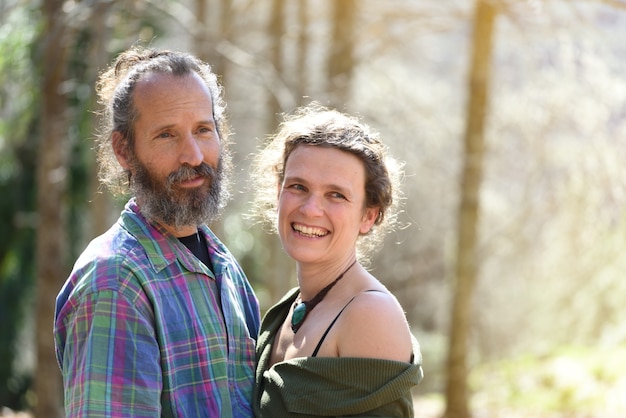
[120, 149]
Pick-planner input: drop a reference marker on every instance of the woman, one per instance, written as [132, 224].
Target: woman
[338, 344]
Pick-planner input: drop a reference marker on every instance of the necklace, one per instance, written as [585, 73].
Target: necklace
[302, 309]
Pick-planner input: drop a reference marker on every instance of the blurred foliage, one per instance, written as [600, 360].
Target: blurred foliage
[18, 156]
[572, 381]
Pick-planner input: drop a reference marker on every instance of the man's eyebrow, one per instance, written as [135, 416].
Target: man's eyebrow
[172, 125]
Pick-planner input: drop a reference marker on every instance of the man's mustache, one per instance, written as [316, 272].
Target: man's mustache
[187, 172]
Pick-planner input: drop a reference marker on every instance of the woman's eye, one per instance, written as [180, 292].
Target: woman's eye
[337, 195]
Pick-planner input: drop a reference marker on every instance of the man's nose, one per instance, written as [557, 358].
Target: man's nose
[190, 151]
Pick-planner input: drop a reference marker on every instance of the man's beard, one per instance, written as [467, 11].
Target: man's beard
[162, 201]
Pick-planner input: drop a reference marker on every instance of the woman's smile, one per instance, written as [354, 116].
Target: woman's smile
[308, 231]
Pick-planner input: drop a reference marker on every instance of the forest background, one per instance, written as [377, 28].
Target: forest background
[509, 114]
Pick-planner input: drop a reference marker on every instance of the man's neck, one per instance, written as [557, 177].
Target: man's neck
[183, 231]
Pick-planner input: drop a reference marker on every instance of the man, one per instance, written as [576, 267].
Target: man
[157, 318]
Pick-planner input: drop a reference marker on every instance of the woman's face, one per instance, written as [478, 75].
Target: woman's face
[321, 207]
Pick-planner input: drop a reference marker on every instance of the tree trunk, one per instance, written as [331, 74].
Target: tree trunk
[341, 54]
[213, 24]
[457, 402]
[51, 194]
[280, 264]
[303, 51]
[101, 204]
[220, 64]
[276, 30]
[201, 32]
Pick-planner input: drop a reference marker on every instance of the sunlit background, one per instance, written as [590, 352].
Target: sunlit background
[547, 335]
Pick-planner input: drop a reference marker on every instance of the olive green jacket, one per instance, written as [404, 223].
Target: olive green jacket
[329, 386]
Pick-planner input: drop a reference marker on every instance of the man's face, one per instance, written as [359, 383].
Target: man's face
[175, 163]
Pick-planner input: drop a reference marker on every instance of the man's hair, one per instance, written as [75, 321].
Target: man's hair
[115, 88]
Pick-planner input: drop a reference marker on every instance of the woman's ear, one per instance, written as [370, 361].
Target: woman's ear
[369, 218]
[120, 149]
[279, 189]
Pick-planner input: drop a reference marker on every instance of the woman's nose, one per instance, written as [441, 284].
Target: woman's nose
[312, 206]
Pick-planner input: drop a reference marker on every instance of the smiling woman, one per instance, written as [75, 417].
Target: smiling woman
[339, 343]
[317, 126]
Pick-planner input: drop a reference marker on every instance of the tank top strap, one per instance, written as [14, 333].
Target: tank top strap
[319, 344]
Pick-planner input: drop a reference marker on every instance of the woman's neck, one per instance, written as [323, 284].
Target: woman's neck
[313, 277]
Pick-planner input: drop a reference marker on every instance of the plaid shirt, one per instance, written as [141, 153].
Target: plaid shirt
[141, 329]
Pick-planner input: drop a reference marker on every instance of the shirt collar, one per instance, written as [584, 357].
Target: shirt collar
[162, 248]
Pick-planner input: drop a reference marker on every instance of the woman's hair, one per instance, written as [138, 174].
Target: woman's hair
[115, 88]
[315, 125]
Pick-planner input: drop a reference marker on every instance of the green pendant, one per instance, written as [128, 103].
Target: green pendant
[299, 313]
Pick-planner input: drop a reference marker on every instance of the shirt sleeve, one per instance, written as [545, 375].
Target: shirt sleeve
[111, 359]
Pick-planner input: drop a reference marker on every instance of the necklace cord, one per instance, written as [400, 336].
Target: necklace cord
[305, 307]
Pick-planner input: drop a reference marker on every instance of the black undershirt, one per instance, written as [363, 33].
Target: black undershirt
[197, 245]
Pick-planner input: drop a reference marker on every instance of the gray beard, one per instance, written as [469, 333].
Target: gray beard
[162, 201]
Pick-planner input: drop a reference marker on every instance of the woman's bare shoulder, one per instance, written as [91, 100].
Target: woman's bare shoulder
[374, 325]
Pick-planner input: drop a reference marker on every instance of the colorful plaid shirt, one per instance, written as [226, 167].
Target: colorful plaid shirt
[141, 329]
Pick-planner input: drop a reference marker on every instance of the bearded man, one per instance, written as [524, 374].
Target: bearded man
[157, 318]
